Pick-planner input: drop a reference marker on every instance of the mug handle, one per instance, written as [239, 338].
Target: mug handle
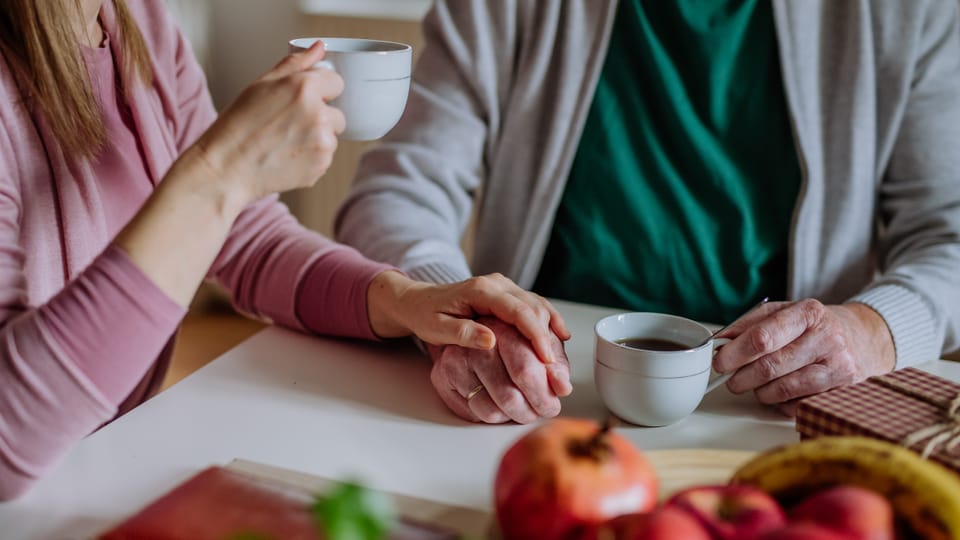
[715, 383]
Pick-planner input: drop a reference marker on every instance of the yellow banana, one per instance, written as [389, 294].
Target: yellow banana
[924, 494]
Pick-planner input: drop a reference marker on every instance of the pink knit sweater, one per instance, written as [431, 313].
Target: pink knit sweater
[84, 334]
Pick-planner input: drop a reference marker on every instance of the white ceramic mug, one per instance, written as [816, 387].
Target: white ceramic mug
[376, 81]
[653, 387]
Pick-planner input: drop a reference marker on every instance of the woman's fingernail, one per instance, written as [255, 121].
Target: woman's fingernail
[486, 341]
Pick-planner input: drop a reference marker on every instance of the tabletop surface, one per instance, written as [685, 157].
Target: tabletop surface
[338, 409]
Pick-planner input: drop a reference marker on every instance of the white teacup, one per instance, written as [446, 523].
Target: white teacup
[653, 387]
[376, 81]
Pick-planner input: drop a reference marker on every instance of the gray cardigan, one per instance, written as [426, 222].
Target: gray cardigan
[502, 90]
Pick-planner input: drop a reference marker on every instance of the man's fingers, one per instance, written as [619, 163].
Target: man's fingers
[806, 381]
[483, 407]
[456, 403]
[804, 350]
[454, 379]
[769, 334]
[508, 400]
[558, 373]
[534, 380]
[496, 380]
[529, 375]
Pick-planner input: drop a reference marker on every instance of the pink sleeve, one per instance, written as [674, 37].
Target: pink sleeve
[280, 271]
[66, 365]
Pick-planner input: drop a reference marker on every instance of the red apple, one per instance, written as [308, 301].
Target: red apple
[568, 475]
[803, 531]
[663, 523]
[855, 512]
[731, 512]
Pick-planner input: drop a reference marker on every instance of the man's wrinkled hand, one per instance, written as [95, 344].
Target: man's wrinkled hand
[784, 351]
[506, 383]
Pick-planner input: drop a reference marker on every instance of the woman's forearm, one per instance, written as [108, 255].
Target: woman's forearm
[177, 234]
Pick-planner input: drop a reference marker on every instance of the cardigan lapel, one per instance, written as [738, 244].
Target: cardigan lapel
[148, 111]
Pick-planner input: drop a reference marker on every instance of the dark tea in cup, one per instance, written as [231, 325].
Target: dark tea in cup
[652, 344]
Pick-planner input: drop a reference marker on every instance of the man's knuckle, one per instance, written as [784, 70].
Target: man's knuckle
[847, 371]
[761, 340]
[812, 311]
[835, 340]
[782, 390]
[526, 375]
[767, 368]
[513, 402]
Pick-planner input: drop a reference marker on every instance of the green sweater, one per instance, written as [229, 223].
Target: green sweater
[684, 182]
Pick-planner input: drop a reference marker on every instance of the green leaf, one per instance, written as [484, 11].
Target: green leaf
[353, 512]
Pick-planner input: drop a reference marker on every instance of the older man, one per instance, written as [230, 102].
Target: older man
[688, 157]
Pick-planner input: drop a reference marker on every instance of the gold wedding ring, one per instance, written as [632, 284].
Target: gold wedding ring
[473, 393]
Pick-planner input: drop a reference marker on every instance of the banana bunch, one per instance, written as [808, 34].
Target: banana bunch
[925, 496]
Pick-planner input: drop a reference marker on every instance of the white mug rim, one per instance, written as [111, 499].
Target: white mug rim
[307, 42]
[652, 314]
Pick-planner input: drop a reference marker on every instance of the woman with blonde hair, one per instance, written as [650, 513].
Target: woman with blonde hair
[120, 191]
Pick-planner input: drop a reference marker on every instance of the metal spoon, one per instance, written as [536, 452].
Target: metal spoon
[713, 335]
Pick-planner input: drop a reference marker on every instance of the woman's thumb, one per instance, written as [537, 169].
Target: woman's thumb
[298, 61]
[466, 333]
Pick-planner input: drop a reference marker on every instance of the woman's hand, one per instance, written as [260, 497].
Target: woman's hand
[443, 314]
[279, 134]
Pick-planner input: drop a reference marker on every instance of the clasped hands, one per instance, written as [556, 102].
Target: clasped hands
[781, 352]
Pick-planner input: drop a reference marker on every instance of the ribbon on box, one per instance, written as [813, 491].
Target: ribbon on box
[946, 432]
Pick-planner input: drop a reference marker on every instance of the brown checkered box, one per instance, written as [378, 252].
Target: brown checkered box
[889, 407]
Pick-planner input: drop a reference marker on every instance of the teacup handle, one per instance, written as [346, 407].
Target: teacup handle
[717, 382]
[714, 384]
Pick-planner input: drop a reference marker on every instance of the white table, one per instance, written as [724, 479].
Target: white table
[337, 409]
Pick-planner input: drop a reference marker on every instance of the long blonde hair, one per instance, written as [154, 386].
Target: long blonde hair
[40, 43]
